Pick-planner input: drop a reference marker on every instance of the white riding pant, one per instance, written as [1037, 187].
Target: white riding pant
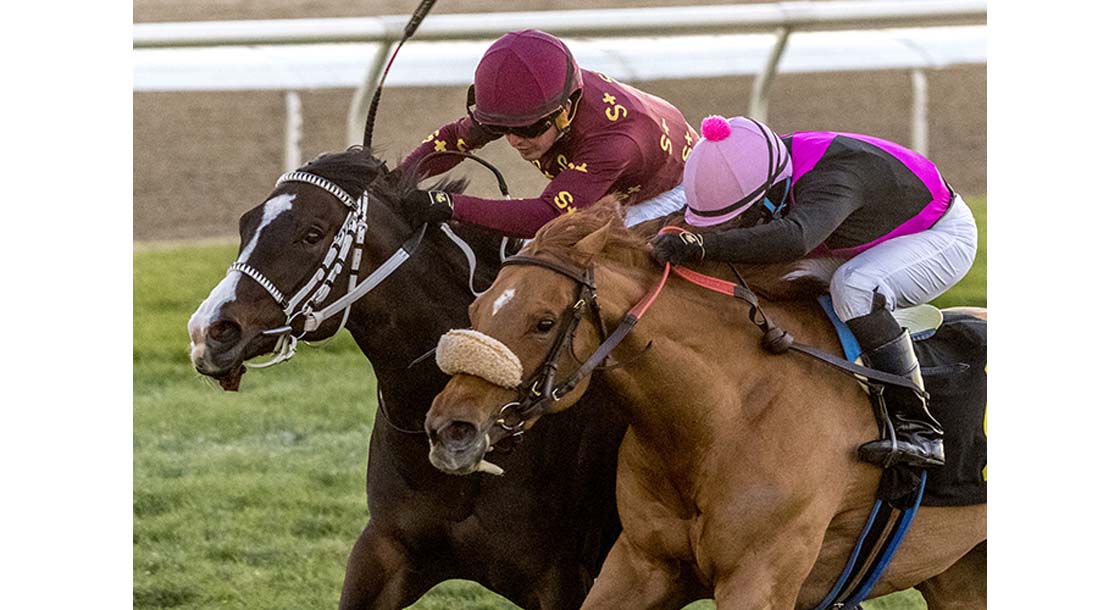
[908, 270]
[664, 204]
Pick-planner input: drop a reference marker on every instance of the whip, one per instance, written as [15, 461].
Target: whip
[409, 29]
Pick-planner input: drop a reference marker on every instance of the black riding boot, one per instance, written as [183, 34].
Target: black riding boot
[917, 434]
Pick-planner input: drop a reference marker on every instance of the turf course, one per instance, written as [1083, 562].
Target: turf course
[252, 500]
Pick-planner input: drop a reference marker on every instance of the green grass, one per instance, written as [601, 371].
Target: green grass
[973, 289]
[252, 499]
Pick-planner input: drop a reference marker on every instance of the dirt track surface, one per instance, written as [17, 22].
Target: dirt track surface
[201, 159]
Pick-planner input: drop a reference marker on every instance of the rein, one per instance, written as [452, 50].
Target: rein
[540, 391]
[777, 340]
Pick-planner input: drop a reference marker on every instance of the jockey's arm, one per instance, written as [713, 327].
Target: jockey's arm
[569, 191]
[817, 213]
[463, 135]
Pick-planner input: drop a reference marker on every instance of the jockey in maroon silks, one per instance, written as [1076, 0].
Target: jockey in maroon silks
[588, 134]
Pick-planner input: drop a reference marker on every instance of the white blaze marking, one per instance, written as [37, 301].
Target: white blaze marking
[502, 299]
[272, 210]
[226, 289]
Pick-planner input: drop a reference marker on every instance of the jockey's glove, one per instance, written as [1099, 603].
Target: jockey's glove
[678, 248]
[432, 207]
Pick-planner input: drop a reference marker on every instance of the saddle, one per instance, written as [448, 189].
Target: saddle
[952, 349]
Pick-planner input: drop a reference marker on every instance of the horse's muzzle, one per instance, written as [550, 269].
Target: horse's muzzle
[457, 447]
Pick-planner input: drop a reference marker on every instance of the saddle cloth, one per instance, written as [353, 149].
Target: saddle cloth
[954, 358]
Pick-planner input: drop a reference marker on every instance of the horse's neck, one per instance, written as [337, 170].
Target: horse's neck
[403, 319]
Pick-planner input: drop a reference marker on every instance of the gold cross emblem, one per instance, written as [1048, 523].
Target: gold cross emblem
[608, 98]
[440, 145]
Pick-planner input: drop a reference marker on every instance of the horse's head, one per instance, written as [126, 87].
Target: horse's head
[530, 332]
[295, 250]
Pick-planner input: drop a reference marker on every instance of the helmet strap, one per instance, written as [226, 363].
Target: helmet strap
[568, 112]
[776, 210]
[766, 210]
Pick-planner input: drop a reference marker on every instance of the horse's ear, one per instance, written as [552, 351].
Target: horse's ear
[586, 248]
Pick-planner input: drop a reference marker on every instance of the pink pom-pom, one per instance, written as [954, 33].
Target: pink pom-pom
[715, 128]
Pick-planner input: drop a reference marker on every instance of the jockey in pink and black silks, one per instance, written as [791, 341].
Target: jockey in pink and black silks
[904, 235]
[588, 134]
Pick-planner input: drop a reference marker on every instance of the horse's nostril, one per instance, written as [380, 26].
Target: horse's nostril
[224, 331]
[458, 434]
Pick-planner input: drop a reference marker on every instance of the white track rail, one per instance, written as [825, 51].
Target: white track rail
[632, 44]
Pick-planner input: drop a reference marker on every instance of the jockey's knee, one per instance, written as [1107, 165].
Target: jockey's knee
[856, 294]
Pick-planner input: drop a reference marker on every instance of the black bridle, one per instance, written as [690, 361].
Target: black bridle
[540, 391]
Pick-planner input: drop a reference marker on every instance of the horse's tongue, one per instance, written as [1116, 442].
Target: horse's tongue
[232, 381]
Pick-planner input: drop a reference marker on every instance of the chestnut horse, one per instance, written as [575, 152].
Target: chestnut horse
[537, 535]
[738, 476]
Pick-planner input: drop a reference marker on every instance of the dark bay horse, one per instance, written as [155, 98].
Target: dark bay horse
[738, 477]
[538, 534]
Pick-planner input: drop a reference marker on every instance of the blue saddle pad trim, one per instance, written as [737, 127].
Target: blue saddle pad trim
[847, 338]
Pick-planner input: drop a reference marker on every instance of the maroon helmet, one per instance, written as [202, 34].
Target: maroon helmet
[523, 77]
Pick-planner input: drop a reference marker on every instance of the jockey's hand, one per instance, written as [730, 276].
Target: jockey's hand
[678, 248]
[432, 207]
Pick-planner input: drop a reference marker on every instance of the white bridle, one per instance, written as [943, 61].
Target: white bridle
[351, 235]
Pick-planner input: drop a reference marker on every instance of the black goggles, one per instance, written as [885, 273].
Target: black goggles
[522, 131]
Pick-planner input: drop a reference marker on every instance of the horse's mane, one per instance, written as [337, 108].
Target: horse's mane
[359, 168]
[779, 281]
[558, 238]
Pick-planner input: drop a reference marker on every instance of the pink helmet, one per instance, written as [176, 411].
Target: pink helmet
[731, 168]
[523, 77]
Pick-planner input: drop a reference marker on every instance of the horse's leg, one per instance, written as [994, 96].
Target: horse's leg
[563, 587]
[770, 581]
[964, 586]
[631, 580]
[380, 576]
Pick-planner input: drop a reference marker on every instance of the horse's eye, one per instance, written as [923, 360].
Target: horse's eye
[545, 325]
[313, 236]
